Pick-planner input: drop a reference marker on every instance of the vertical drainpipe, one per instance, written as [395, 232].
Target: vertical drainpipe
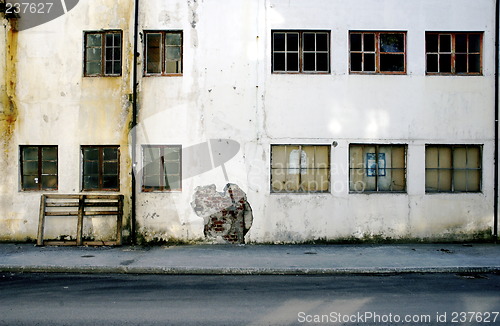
[133, 230]
[497, 49]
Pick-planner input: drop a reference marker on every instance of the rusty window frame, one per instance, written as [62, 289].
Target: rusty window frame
[452, 170]
[38, 161]
[300, 52]
[163, 53]
[101, 163]
[163, 176]
[277, 167]
[108, 52]
[440, 53]
[361, 169]
[376, 52]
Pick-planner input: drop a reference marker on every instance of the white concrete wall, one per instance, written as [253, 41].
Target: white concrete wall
[227, 91]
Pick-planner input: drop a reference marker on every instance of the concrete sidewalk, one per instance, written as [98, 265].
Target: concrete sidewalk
[254, 259]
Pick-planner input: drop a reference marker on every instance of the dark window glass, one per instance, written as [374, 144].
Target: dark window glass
[39, 167]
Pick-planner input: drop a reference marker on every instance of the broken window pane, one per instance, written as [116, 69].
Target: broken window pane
[445, 43]
[356, 44]
[392, 62]
[445, 63]
[431, 42]
[392, 42]
[432, 63]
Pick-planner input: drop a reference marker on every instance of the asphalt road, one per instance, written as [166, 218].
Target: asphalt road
[405, 299]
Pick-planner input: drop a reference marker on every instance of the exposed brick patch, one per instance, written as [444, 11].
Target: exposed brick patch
[227, 214]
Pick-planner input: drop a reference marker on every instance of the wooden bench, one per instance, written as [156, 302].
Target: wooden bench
[80, 206]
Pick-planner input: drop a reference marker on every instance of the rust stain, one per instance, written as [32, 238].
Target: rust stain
[9, 113]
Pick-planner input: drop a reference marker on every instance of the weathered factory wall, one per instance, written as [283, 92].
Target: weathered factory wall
[47, 101]
[227, 100]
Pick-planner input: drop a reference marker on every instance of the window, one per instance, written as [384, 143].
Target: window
[39, 167]
[162, 168]
[377, 168]
[103, 53]
[453, 53]
[301, 51]
[300, 168]
[453, 168]
[378, 52]
[163, 52]
[101, 168]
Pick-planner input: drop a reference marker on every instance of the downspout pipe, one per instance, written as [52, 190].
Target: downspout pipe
[497, 49]
[135, 85]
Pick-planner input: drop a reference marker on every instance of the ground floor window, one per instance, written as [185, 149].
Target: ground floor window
[377, 168]
[453, 168]
[162, 168]
[101, 168]
[38, 167]
[300, 168]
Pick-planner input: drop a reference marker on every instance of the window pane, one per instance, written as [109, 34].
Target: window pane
[152, 181]
[474, 43]
[153, 53]
[356, 42]
[461, 63]
[277, 180]
[322, 62]
[90, 168]
[431, 157]
[29, 183]
[459, 180]
[279, 157]
[445, 63]
[461, 43]
[93, 68]
[30, 153]
[474, 63]
[368, 42]
[459, 158]
[172, 154]
[110, 168]
[444, 180]
[49, 153]
[110, 182]
[94, 40]
[292, 62]
[173, 67]
[432, 63]
[172, 168]
[392, 62]
[309, 62]
[49, 167]
[431, 43]
[173, 182]
[431, 180]
[30, 168]
[90, 182]
[279, 62]
[110, 153]
[173, 53]
[356, 62]
[49, 182]
[173, 39]
[153, 168]
[445, 43]
[473, 180]
[94, 54]
[444, 157]
[473, 158]
[279, 41]
[369, 62]
[309, 42]
[392, 42]
[292, 41]
[322, 42]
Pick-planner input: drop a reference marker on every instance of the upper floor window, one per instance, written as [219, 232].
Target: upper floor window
[300, 168]
[163, 53]
[101, 168]
[377, 52]
[103, 53]
[301, 51]
[39, 167]
[453, 53]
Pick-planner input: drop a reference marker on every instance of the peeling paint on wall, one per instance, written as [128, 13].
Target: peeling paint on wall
[227, 215]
